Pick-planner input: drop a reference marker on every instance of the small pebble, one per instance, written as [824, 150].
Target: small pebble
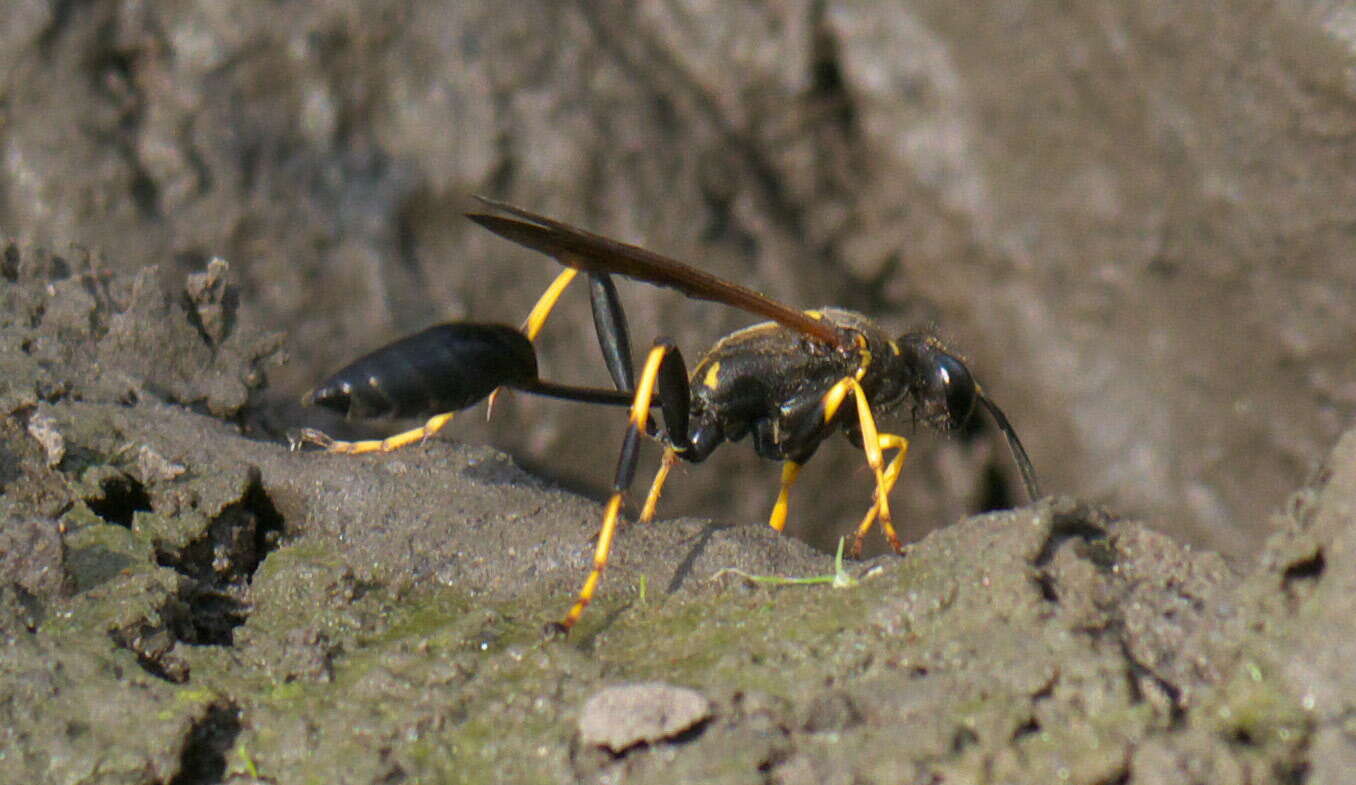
[621, 717]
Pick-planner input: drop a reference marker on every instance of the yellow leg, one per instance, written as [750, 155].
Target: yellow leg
[790, 470]
[657, 487]
[635, 427]
[888, 441]
[600, 555]
[402, 439]
[872, 444]
[536, 318]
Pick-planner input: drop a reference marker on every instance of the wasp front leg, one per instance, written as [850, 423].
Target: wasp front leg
[886, 441]
[874, 444]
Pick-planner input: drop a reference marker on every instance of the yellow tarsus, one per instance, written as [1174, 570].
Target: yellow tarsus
[657, 486]
[402, 439]
[887, 441]
[600, 555]
[790, 470]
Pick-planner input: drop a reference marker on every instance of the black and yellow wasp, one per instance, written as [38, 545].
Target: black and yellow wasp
[786, 384]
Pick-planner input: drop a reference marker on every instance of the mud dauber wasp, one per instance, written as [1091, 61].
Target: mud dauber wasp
[788, 383]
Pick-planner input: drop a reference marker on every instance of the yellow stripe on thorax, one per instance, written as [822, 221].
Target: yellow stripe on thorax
[712, 376]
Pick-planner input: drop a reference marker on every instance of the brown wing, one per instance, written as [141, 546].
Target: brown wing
[590, 252]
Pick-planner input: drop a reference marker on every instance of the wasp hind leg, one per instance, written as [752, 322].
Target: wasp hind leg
[395, 442]
[664, 374]
[609, 322]
[536, 318]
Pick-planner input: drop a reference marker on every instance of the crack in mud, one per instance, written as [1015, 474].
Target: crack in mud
[203, 758]
[123, 496]
[221, 563]
[1079, 521]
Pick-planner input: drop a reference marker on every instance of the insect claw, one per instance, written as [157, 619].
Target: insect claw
[856, 551]
[309, 436]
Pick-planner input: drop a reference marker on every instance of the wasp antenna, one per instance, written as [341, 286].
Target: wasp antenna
[1033, 489]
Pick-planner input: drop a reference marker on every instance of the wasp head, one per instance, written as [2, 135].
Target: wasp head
[944, 392]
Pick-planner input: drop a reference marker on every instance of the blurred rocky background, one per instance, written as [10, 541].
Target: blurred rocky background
[1136, 220]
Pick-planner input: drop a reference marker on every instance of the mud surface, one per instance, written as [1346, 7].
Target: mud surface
[182, 603]
[1134, 221]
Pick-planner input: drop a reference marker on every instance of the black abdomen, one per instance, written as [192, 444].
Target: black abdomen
[445, 368]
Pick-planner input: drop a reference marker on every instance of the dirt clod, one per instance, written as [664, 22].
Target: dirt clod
[623, 716]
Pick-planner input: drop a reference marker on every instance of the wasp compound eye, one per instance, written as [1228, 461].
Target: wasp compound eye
[944, 392]
[951, 382]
